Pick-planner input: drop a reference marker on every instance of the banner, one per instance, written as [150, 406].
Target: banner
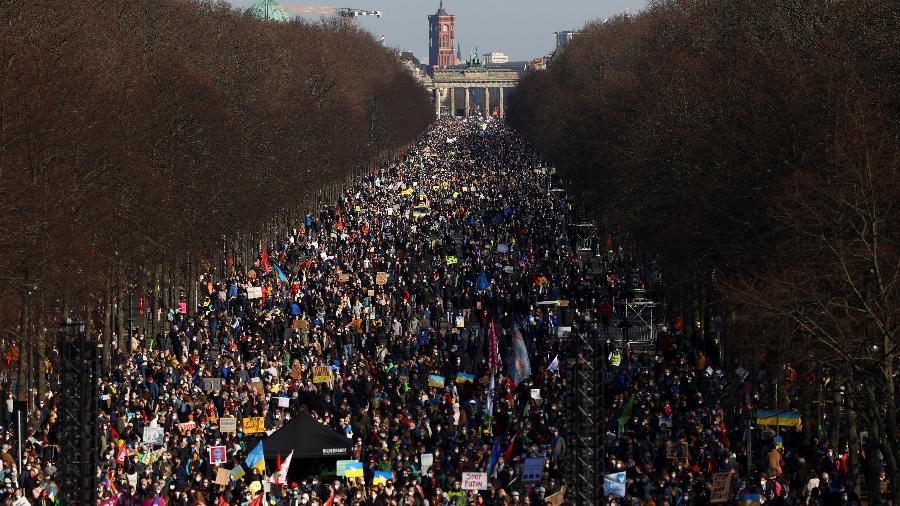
[785, 418]
[614, 484]
[321, 374]
[228, 424]
[532, 470]
[253, 424]
[435, 381]
[721, 488]
[474, 481]
[126, 499]
[154, 436]
[217, 455]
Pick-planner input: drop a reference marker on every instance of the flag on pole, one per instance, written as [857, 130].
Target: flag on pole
[626, 414]
[554, 365]
[507, 455]
[279, 274]
[280, 476]
[495, 456]
[120, 456]
[520, 366]
[330, 500]
[256, 502]
[256, 459]
[493, 353]
[381, 39]
[265, 260]
[482, 283]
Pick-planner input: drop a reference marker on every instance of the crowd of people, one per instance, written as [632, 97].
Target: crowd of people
[432, 267]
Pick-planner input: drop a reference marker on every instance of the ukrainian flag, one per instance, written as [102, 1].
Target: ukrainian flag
[786, 418]
[353, 469]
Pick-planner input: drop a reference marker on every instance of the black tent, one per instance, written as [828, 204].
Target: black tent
[308, 439]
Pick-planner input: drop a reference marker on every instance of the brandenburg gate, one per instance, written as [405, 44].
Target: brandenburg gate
[449, 80]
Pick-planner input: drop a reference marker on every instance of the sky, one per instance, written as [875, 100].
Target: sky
[520, 28]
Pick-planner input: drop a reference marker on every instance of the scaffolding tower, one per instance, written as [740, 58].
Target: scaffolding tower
[586, 415]
[78, 415]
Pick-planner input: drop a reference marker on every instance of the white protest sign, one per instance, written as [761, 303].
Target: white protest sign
[284, 402]
[536, 393]
[426, 460]
[154, 436]
[474, 481]
[254, 292]
[614, 484]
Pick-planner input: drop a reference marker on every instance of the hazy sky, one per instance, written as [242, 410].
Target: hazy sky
[520, 28]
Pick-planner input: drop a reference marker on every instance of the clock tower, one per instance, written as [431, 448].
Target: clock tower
[440, 39]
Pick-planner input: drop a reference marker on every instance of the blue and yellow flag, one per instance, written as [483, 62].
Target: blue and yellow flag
[256, 459]
[381, 477]
[785, 418]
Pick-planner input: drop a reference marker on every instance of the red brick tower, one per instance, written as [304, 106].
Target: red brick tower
[440, 39]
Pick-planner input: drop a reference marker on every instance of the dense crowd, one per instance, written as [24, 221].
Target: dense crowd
[470, 240]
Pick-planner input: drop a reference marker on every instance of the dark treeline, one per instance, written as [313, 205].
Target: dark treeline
[752, 146]
[144, 143]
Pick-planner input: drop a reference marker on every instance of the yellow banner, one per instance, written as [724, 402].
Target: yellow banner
[254, 424]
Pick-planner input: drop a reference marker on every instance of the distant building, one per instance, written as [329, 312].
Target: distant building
[269, 10]
[440, 39]
[538, 64]
[495, 57]
[564, 37]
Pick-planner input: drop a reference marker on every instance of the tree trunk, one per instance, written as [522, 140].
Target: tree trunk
[835, 418]
[891, 443]
[21, 387]
[107, 329]
[121, 331]
[853, 437]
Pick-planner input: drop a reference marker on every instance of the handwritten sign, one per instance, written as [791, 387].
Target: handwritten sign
[212, 384]
[284, 402]
[380, 278]
[474, 481]
[222, 476]
[721, 488]
[254, 424]
[321, 374]
[254, 292]
[228, 424]
[187, 426]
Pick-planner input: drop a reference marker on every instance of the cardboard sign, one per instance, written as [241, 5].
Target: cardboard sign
[370, 293]
[321, 374]
[381, 278]
[222, 476]
[474, 481]
[212, 384]
[254, 424]
[217, 454]
[435, 381]
[154, 436]
[228, 424]
[721, 488]
[532, 470]
[343, 278]
[426, 460]
[254, 292]
[284, 402]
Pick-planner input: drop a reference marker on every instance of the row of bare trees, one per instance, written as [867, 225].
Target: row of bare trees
[754, 146]
[143, 143]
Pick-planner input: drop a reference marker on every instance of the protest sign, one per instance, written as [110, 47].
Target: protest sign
[254, 292]
[462, 377]
[187, 426]
[154, 436]
[435, 381]
[380, 278]
[216, 454]
[381, 477]
[353, 469]
[532, 470]
[343, 278]
[536, 393]
[459, 322]
[474, 481]
[222, 476]
[426, 460]
[253, 424]
[212, 384]
[237, 472]
[557, 498]
[343, 464]
[228, 424]
[721, 488]
[321, 374]
[284, 402]
[614, 484]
